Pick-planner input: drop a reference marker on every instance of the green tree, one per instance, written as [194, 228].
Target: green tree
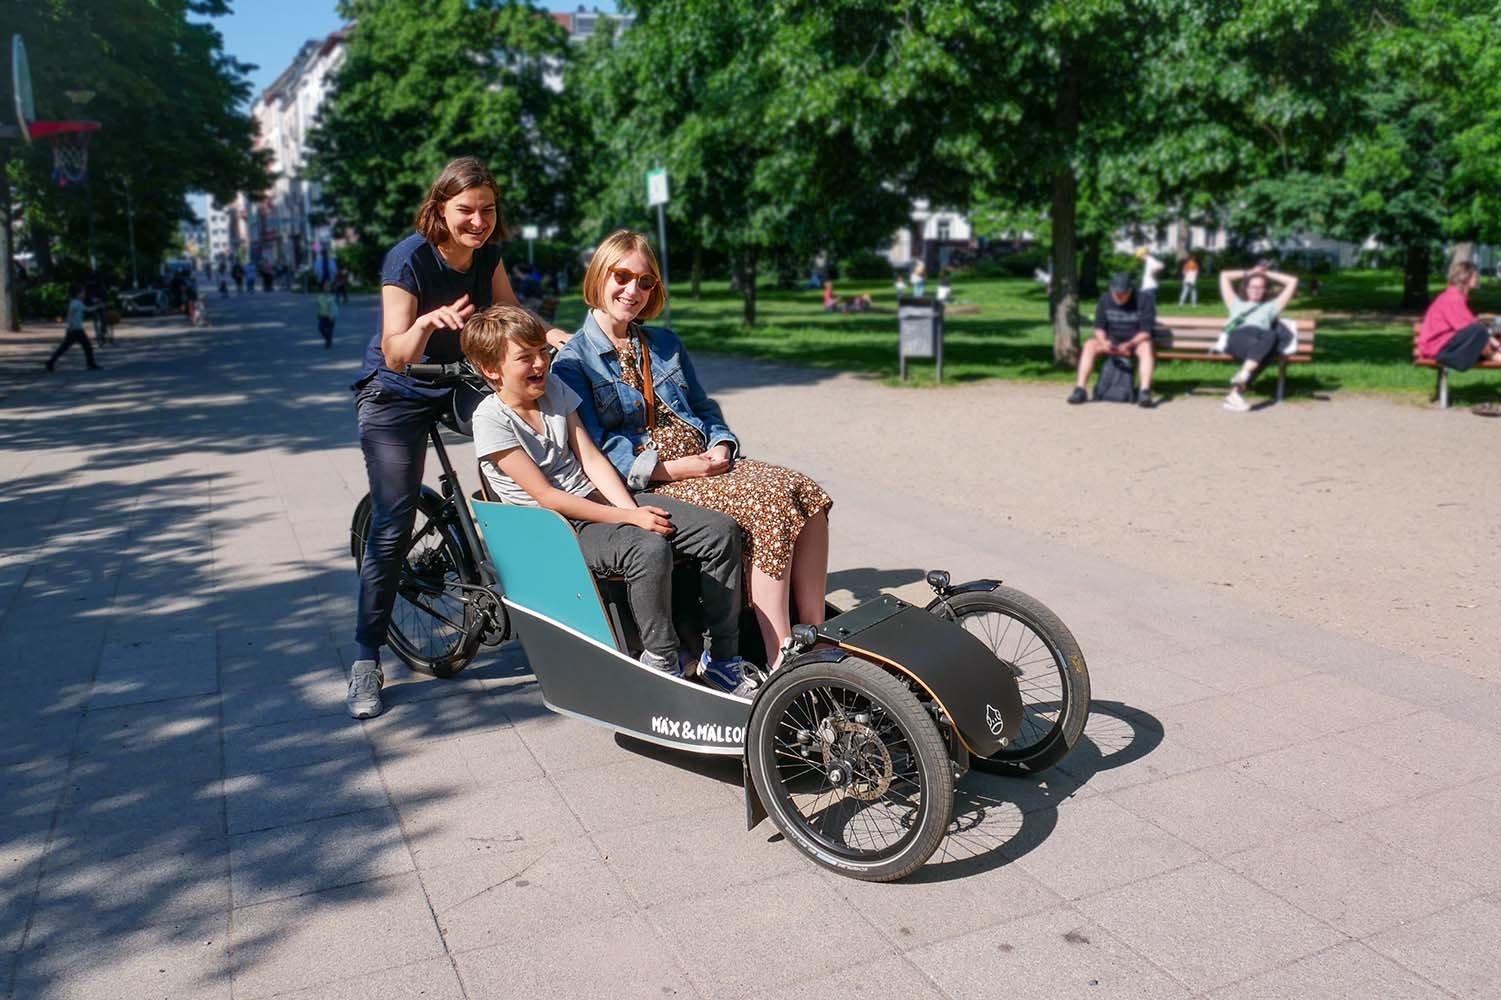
[425, 81]
[169, 100]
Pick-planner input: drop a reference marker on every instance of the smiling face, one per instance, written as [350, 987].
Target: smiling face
[624, 302]
[523, 373]
[470, 217]
[1256, 288]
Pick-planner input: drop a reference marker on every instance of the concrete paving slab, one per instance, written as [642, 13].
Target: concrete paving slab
[1233, 668]
[301, 696]
[894, 978]
[1350, 880]
[140, 817]
[251, 749]
[638, 790]
[434, 979]
[468, 763]
[1455, 948]
[1334, 777]
[785, 929]
[520, 814]
[1349, 971]
[1097, 845]
[1441, 749]
[1206, 926]
[155, 670]
[301, 793]
[536, 891]
[325, 937]
[560, 744]
[316, 855]
[407, 720]
[187, 960]
[1451, 831]
[187, 727]
[626, 960]
[84, 893]
[1054, 955]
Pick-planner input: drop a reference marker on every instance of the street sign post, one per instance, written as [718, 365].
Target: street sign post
[656, 195]
[529, 233]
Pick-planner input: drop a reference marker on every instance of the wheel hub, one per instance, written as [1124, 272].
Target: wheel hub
[855, 758]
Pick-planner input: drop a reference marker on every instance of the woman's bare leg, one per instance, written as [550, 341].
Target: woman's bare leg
[810, 569]
[770, 601]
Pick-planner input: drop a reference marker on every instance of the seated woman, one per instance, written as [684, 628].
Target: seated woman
[1253, 334]
[644, 406]
[1450, 334]
[534, 452]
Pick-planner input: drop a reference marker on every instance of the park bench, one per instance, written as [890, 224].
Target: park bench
[1441, 390]
[1192, 338]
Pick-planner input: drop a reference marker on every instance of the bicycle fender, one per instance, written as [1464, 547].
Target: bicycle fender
[977, 691]
[971, 587]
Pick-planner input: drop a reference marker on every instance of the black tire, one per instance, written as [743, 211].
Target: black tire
[434, 629]
[886, 768]
[1049, 669]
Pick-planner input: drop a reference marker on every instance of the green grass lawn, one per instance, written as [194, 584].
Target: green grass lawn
[1366, 346]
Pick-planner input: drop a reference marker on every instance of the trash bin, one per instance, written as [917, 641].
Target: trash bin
[920, 326]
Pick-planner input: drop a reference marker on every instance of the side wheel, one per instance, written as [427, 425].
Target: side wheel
[851, 768]
[1049, 668]
[434, 627]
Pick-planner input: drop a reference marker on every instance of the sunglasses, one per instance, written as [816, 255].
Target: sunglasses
[623, 276]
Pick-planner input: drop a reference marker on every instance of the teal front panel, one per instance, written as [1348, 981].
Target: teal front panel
[537, 556]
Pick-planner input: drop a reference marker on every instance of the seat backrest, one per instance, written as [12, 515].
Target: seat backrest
[537, 555]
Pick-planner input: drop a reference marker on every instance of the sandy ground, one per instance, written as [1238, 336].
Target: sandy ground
[1365, 516]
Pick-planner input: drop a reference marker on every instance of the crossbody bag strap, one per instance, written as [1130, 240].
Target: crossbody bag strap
[647, 389]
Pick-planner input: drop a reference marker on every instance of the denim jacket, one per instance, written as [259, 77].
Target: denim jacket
[614, 414]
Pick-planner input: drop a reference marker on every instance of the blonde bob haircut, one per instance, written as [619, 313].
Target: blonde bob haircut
[609, 253]
[464, 174]
[486, 334]
[1460, 272]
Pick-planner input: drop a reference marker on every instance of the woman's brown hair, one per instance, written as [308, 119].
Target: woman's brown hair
[607, 255]
[464, 174]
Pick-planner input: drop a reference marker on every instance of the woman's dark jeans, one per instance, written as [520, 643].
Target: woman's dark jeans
[393, 436]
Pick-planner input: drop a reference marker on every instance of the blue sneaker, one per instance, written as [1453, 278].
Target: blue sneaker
[661, 664]
[726, 675]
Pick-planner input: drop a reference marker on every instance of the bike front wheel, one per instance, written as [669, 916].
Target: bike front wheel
[851, 768]
[1042, 654]
[434, 627]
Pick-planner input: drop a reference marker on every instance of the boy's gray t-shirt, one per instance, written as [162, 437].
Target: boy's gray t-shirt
[498, 428]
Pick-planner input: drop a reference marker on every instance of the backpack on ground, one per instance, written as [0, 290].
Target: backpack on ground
[1117, 381]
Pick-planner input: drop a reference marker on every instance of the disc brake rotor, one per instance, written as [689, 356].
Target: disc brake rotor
[857, 751]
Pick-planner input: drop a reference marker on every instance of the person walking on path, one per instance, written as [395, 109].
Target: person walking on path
[1150, 268]
[1190, 281]
[1123, 321]
[1450, 333]
[1252, 333]
[431, 282]
[73, 330]
[328, 314]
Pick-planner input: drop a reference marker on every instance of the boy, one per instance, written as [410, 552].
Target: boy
[328, 312]
[73, 330]
[534, 451]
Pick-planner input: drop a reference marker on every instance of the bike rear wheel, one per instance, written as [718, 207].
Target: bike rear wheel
[1049, 667]
[434, 628]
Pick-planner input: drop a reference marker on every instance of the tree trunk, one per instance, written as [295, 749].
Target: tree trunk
[10, 316]
[748, 285]
[1415, 277]
[1089, 269]
[1065, 288]
[41, 246]
[697, 274]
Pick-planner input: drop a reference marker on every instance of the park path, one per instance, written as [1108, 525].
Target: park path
[1277, 797]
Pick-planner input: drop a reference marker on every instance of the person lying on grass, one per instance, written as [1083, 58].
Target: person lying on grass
[534, 452]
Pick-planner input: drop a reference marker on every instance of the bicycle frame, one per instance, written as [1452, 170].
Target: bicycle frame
[453, 493]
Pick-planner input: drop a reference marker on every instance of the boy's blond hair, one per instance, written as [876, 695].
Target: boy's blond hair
[486, 334]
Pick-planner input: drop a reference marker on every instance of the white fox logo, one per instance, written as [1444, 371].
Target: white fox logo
[994, 721]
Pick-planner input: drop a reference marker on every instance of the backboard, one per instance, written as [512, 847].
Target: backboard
[20, 75]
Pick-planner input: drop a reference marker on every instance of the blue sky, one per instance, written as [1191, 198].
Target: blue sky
[269, 32]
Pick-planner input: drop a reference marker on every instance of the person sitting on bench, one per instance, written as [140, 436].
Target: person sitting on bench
[1253, 333]
[1123, 322]
[1450, 334]
[535, 452]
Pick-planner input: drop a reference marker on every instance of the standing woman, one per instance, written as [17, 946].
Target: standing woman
[1253, 333]
[431, 282]
[644, 407]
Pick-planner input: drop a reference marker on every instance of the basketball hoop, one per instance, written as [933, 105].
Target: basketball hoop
[70, 148]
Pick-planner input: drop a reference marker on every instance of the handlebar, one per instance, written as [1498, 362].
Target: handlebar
[450, 374]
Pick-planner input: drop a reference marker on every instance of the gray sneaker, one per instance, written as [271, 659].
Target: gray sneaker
[365, 681]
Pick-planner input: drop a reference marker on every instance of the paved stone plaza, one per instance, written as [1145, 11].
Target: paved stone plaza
[1264, 807]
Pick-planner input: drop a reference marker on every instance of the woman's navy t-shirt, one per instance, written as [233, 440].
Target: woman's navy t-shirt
[415, 265]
